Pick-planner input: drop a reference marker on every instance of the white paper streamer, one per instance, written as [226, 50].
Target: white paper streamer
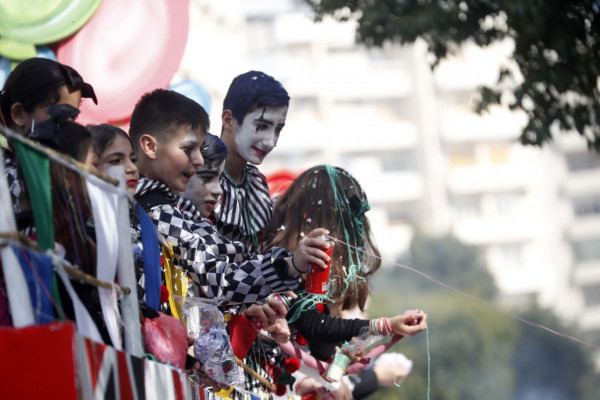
[103, 197]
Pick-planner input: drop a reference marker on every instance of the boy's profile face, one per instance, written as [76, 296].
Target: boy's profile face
[178, 157]
[205, 189]
[259, 132]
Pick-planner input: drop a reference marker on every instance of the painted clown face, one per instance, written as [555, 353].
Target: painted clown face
[204, 189]
[259, 132]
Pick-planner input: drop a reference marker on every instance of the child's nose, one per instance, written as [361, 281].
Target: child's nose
[130, 167]
[270, 139]
[217, 190]
[197, 160]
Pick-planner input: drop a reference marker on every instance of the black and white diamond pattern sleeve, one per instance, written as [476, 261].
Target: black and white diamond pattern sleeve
[217, 265]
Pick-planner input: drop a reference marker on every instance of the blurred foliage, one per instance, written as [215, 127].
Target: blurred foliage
[475, 351]
[556, 51]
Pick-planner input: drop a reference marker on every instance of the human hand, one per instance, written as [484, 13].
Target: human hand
[308, 385]
[343, 392]
[311, 250]
[280, 331]
[264, 316]
[409, 324]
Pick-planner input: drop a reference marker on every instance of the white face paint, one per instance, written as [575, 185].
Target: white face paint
[259, 133]
[204, 189]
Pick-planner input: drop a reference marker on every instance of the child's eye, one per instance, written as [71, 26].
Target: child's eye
[133, 160]
[261, 127]
[114, 161]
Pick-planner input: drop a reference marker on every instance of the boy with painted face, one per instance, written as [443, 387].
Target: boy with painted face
[254, 113]
[204, 189]
[167, 130]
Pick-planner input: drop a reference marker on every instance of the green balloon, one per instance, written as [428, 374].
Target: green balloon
[25, 23]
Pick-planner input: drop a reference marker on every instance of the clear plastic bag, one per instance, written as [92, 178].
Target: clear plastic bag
[212, 346]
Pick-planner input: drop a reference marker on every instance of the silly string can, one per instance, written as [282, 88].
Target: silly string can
[337, 368]
[317, 280]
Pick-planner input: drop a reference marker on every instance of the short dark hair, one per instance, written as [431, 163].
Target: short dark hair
[213, 151]
[105, 134]
[160, 112]
[254, 89]
[36, 81]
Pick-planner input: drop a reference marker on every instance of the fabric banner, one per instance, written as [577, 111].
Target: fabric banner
[37, 268]
[38, 362]
[85, 324]
[151, 254]
[103, 198]
[35, 167]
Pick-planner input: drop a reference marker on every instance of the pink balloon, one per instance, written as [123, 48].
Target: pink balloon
[127, 49]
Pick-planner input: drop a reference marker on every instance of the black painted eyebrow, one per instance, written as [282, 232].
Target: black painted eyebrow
[207, 173]
[266, 121]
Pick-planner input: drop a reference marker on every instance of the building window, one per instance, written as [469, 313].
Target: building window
[461, 155]
[499, 154]
[467, 206]
[587, 250]
[511, 255]
[505, 203]
[401, 213]
[591, 295]
[583, 161]
[586, 206]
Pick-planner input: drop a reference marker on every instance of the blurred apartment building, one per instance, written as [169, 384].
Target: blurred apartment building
[424, 158]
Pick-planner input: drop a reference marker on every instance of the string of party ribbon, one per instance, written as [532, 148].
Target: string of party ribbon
[481, 301]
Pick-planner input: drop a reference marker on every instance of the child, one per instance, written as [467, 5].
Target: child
[30, 89]
[204, 189]
[254, 113]
[33, 86]
[115, 148]
[167, 130]
[329, 196]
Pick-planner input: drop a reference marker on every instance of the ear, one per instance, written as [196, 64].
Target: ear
[227, 119]
[18, 114]
[148, 145]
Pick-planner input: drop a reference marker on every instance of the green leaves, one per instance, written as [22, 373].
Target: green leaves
[557, 48]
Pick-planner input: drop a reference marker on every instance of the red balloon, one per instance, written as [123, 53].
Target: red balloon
[128, 48]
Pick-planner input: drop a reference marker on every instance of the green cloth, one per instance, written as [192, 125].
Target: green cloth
[35, 167]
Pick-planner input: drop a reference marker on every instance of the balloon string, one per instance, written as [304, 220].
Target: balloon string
[481, 301]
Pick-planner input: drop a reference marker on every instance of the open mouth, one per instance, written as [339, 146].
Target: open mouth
[187, 175]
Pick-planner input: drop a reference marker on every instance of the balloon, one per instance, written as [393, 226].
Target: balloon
[127, 49]
[194, 91]
[23, 24]
[279, 181]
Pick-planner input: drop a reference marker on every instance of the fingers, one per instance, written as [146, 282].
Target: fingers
[279, 308]
[317, 232]
[313, 250]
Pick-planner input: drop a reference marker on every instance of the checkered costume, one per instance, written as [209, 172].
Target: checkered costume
[245, 208]
[220, 268]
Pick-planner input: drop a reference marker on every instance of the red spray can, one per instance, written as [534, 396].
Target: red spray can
[317, 280]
